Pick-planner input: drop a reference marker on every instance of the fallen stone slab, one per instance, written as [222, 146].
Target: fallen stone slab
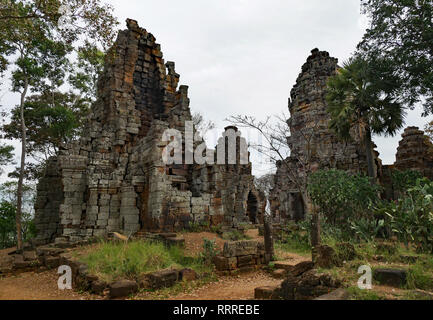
[98, 287]
[246, 261]
[267, 293]
[187, 275]
[286, 265]
[301, 268]
[122, 288]
[279, 273]
[339, 294]
[29, 255]
[163, 279]
[225, 264]
[240, 248]
[391, 277]
[52, 262]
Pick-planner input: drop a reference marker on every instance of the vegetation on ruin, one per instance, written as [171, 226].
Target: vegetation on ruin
[113, 261]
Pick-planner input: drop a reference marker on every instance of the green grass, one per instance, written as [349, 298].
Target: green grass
[235, 236]
[420, 275]
[359, 294]
[300, 248]
[112, 261]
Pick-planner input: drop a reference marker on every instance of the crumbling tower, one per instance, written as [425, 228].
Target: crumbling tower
[311, 138]
[114, 178]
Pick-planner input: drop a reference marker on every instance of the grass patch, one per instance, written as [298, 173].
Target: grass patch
[420, 275]
[112, 261]
[179, 288]
[235, 236]
[293, 246]
[359, 294]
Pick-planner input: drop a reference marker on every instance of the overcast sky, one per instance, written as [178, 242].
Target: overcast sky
[243, 56]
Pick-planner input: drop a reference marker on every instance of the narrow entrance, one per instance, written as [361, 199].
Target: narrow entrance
[252, 207]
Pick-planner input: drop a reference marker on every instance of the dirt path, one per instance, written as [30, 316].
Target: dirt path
[36, 286]
[231, 288]
[43, 285]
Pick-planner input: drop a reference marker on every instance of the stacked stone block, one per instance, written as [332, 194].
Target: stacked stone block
[311, 139]
[113, 178]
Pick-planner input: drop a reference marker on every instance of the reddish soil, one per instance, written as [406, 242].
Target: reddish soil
[194, 242]
[36, 286]
[231, 288]
[43, 285]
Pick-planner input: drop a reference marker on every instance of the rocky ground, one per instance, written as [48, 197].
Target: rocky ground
[42, 285]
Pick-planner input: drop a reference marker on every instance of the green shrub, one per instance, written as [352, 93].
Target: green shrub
[418, 278]
[359, 294]
[404, 180]
[341, 197]
[209, 251]
[411, 218]
[197, 227]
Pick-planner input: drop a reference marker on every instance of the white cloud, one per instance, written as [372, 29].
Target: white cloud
[243, 57]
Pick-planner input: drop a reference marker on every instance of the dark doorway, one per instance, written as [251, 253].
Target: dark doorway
[252, 208]
[297, 207]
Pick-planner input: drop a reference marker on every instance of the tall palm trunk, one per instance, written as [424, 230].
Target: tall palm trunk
[369, 152]
[22, 169]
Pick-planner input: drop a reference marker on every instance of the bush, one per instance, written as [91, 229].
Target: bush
[341, 197]
[411, 218]
[209, 251]
[404, 180]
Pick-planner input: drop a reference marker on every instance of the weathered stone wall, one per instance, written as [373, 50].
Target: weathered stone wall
[114, 177]
[311, 139]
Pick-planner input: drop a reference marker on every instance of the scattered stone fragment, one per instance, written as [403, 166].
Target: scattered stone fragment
[267, 293]
[391, 277]
[187, 275]
[339, 294]
[122, 289]
[163, 279]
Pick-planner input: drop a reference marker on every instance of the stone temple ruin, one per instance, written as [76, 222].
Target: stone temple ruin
[311, 139]
[114, 179]
[309, 128]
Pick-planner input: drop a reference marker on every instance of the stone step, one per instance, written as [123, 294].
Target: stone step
[267, 293]
[286, 265]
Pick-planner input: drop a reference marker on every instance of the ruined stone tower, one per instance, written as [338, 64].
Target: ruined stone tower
[415, 152]
[311, 139]
[114, 178]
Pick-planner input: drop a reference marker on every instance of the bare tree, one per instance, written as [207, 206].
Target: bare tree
[201, 124]
[304, 157]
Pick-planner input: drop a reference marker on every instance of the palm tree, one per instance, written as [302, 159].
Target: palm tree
[363, 96]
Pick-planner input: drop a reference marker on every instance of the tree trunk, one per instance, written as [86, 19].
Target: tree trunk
[269, 240]
[22, 170]
[369, 152]
[315, 224]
